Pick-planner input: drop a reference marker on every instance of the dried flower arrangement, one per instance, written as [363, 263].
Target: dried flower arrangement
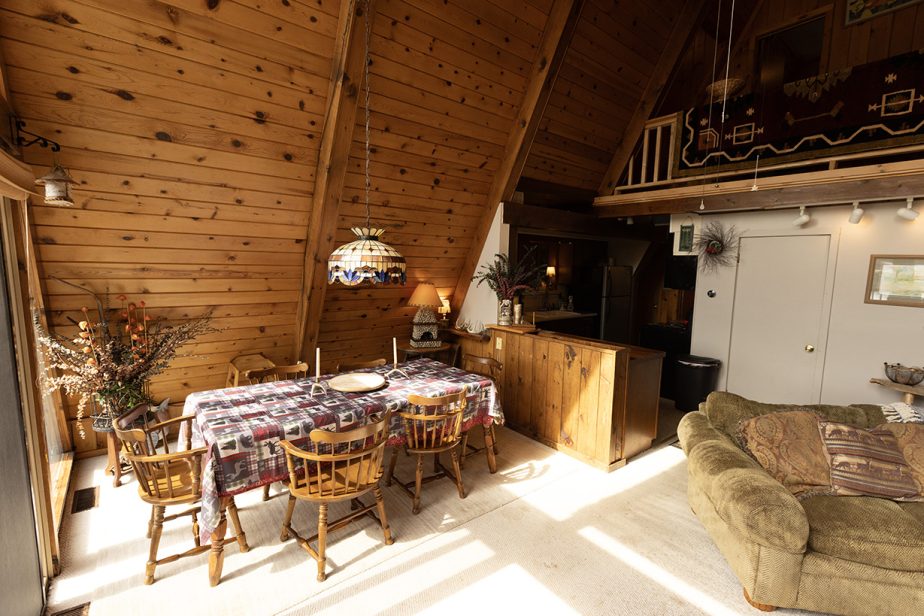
[717, 246]
[111, 360]
[507, 278]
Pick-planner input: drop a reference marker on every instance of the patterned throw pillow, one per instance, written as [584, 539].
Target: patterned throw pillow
[867, 462]
[910, 439]
[789, 447]
[899, 412]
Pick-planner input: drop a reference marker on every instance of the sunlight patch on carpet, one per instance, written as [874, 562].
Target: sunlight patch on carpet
[656, 573]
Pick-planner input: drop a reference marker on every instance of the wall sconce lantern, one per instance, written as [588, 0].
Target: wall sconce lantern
[57, 181]
[57, 186]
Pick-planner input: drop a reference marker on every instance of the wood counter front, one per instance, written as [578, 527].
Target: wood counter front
[594, 400]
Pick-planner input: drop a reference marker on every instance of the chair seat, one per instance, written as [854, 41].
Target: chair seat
[175, 487]
[345, 482]
[871, 531]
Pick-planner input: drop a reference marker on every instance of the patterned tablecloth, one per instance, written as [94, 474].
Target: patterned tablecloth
[242, 426]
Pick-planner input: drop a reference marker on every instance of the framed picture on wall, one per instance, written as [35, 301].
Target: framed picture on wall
[896, 280]
[860, 10]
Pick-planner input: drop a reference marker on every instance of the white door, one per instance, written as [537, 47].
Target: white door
[777, 336]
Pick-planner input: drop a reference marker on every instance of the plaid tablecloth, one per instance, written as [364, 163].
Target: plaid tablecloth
[242, 426]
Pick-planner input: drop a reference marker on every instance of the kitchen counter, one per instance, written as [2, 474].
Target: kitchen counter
[542, 316]
[592, 399]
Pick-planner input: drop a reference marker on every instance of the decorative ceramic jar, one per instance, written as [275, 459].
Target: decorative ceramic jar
[505, 312]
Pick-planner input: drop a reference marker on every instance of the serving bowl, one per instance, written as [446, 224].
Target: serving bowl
[904, 375]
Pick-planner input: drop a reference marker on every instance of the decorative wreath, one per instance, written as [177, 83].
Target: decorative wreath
[717, 246]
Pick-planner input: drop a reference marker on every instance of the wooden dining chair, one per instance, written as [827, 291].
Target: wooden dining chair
[361, 365]
[277, 373]
[168, 479]
[432, 425]
[342, 466]
[491, 368]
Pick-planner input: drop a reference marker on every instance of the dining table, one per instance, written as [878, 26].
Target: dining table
[241, 427]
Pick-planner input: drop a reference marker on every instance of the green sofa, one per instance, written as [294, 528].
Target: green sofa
[838, 554]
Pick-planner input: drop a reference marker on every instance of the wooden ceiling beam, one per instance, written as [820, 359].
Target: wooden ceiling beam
[688, 20]
[333, 160]
[834, 187]
[556, 38]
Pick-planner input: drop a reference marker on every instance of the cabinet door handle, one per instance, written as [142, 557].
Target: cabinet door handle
[809, 348]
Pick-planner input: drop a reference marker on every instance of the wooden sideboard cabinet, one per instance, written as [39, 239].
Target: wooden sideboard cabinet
[594, 400]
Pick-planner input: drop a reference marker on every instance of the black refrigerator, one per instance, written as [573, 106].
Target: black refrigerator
[615, 303]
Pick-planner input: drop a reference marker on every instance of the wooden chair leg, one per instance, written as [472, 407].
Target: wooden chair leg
[195, 529]
[266, 489]
[436, 463]
[418, 482]
[380, 505]
[391, 466]
[322, 542]
[494, 439]
[763, 607]
[464, 449]
[287, 522]
[155, 542]
[151, 521]
[458, 472]
[490, 448]
[236, 523]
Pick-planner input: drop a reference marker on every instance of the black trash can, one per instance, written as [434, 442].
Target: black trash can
[694, 379]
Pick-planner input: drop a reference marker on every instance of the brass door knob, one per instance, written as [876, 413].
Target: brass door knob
[809, 348]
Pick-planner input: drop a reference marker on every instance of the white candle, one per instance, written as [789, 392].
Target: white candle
[394, 346]
[317, 363]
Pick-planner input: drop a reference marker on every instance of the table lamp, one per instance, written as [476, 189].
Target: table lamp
[426, 331]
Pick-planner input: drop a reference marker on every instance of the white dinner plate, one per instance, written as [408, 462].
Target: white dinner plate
[355, 382]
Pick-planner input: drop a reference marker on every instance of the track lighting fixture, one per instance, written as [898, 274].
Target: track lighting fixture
[907, 212]
[803, 218]
[856, 215]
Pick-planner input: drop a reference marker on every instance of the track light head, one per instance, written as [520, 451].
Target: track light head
[856, 215]
[802, 219]
[907, 212]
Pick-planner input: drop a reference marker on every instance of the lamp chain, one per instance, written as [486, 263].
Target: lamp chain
[367, 60]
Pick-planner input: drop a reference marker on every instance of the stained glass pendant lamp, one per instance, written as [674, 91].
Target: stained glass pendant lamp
[367, 258]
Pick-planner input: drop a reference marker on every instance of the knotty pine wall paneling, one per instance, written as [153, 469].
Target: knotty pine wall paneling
[193, 134]
[606, 69]
[447, 80]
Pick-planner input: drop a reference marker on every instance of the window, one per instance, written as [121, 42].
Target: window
[790, 54]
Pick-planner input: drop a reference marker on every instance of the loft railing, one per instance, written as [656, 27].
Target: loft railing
[652, 162]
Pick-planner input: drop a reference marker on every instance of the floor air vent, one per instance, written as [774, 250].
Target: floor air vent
[79, 610]
[84, 499]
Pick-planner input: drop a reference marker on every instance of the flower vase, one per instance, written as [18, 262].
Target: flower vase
[518, 314]
[505, 312]
[105, 415]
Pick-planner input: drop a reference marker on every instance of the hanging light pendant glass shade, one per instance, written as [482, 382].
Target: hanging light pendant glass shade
[366, 259]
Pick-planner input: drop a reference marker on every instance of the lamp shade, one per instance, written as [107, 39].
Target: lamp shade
[425, 296]
[550, 271]
[366, 259]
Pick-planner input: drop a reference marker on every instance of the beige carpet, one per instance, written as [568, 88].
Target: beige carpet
[546, 534]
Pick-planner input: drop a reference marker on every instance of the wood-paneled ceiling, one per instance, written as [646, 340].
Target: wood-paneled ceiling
[199, 131]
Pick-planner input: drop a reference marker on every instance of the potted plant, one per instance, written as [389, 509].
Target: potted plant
[113, 355]
[507, 279]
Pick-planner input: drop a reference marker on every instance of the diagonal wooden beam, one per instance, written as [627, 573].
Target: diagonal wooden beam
[556, 38]
[333, 158]
[684, 26]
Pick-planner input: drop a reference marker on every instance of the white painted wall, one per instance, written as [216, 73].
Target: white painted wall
[480, 305]
[860, 336]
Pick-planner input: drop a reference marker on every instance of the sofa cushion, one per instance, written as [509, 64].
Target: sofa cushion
[866, 462]
[726, 411]
[867, 530]
[910, 439]
[789, 447]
